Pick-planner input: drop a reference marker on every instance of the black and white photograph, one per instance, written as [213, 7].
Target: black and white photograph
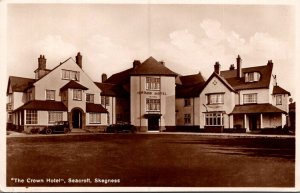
[149, 95]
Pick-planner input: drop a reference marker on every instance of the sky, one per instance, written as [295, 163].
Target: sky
[189, 38]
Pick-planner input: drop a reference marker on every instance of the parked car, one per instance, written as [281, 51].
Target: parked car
[58, 127]
[122, 127]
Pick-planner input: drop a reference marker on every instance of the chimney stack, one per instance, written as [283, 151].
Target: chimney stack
[217, 67]
[270, 62]
[79, 59]
[239, 66]
[104, 77]
[136, 63]
[42, 62]
[231, 67]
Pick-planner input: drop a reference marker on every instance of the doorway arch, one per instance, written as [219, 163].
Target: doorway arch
[77, 118]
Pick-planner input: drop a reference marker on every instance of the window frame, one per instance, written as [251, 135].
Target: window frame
[56, 113]
[153, 105]
[217, 102]
[50, 99]
[187, 119]
[214, 119]
[277, 101]
[247, 102]
[93, 118]
[72, 75]
[187, 102]
[153, 83]
[86, 97]
[255, 76]
[76, 98]
[31, 114]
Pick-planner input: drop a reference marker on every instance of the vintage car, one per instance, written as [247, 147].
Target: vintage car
[58, 127]
[122, 127]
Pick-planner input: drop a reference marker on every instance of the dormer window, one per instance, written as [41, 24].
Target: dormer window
[252, 76]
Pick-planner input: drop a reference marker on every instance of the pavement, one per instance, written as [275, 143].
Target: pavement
[83, 132]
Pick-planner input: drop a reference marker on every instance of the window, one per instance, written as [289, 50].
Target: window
[187, 102]
[10, 98]
[77, 94]
[252, 77]
[105, 100]
[9, 119]
[278, 99]
[215, 98]
[90, 98]
[152, 104]
[64, 96]
[54, 116]
[152, 83]
[31, 117]
[187, 119]
[250, 98]
[214, 119]
[70, 75]
[50, 94]
[95, 118]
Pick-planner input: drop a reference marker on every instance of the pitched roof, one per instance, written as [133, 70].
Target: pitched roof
[152, 67]
[279, 90]
[256, 108]
[120, 78]
[108, 89]
[19, 84]
[185, 91]
[222, 79]
[239, 83]
[191, 79]
[43, 105]
[95, 108]
[73, 84]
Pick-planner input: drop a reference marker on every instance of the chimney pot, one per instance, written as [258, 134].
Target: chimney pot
[217, 67]
[239, 66]
[104, 77]
[231, 67]
[162, 62]
[79, 59]
[136, 63]
[42, 62]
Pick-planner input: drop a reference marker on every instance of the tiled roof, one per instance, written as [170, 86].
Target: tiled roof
[222, 79]
[43, 105]
[120, 78]
[239, 83]
[152, 67]
[19, 84]
[108, 89]
[73, 84]
[256, 108]
[279, 90]
[185, 91]
[191, 79]
[95, 108]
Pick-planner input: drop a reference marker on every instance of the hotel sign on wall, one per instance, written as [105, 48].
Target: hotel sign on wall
[152, 92]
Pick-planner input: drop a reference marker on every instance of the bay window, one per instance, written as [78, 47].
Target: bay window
[95, 118]
[214, 119]
[54, 116]
[31, 117]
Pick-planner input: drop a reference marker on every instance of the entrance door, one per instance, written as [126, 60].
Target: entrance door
[153, 123]
[77, 118]
[254, 122]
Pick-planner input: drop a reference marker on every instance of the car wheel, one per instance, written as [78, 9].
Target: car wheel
[48, 131]
[66, 130]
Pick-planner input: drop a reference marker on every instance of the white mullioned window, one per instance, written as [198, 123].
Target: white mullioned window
[54, 116]
[31, 117]
[152, 104]
[217, 98]
[187, 119]
[214, 119]
[90, 98]
[152, 83]
[50, 95]
[250, 98]
[252, 77]
[105, 100]
[70, 75]
[278, 99]
[95, 118]
[77, 94]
